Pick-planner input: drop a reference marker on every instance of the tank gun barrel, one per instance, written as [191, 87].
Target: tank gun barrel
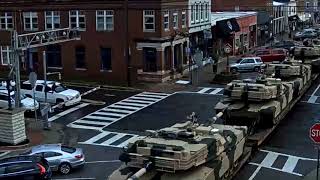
[216, 117]
[141, 172]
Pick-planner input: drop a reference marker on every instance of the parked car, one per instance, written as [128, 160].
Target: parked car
[56, 92]
[24, 168]
[306, 33]
[269, 55]
[288, 45]
[26, 103]
[247, 64]
[60, 158]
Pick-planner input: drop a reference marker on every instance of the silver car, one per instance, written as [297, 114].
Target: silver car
[60, 158]
[247, 64]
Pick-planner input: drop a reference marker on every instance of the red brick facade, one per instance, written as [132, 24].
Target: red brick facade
[94, 41]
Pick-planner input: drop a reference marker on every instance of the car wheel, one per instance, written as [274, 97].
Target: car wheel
[65, 168]
[234, 70]
[256, 69]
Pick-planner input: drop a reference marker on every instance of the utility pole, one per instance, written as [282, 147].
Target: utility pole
[17, 69]
[126, 49]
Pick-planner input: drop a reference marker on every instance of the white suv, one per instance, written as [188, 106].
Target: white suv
[56, 92]
[26, 103]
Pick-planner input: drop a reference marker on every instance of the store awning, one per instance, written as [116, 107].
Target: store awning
[294, 18]
[226, 27]
[263, 18]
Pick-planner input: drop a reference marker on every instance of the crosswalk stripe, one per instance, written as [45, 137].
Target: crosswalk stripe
[312, 99]
[144, 98]
[125, 143]
[118, 110]
[109, 114]
[57, 116]
[269, 159]
[72, 125]
[113, 139]
[133, 104]
[138, 101]
[100, 118]
[155, 94]
[216, 91]
[125, 107]
[97, 137]
[204, 90]
[92, 122]
[290, 164]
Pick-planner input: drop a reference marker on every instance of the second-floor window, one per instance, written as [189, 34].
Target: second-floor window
[148, 21]
[52, 19]
[197, 13]
[104, 20]
[6, 20]
[175, 21]
[192, 13]
[206, 11]
[166, 21]
[201, 12]
[30, 21]
[5, 55]
[77, 19]
[183, 19]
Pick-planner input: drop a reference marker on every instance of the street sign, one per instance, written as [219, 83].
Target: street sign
[33, 79]
[314, 133]
[227, 48]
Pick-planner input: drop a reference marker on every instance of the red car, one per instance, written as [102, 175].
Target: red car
[269, 55]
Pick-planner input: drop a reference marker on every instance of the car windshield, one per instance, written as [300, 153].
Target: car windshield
[59, 88]
[239, 60]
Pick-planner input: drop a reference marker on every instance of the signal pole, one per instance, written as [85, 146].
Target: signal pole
[17, 69]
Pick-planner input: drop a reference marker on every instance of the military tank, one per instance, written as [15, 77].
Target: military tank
[306, 52]
[261, 103]
[185, 151]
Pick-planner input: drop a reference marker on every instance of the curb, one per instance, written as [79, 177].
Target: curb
[100, 85]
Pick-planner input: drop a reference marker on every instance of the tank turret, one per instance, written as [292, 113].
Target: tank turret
[187, 145]
[254, 90]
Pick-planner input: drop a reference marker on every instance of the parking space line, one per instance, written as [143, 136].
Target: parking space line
[57, 116]
[254, 173]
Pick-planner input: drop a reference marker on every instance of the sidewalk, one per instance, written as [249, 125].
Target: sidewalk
[312, 175]
[36, 135]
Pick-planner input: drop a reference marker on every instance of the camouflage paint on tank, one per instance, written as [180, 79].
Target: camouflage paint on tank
[187, 145]
[259, 102]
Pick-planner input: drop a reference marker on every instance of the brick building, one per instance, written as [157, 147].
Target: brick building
[157, 39]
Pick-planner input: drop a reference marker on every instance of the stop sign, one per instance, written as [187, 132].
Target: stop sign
[315, 133]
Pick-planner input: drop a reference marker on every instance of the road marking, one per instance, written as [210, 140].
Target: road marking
[2, 154]
[290, 164]
[313, 98]
[113, 113]
[97, 137]
[111, 139]
[203, 90]
[216, 91]
[57, 116]
[254, 173]
[269, 159]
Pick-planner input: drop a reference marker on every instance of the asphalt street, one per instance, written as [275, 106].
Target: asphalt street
[104, 129]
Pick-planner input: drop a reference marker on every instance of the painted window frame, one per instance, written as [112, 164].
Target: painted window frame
[150, 14]
[7, 51]
[166, 14]
[175, 20]
[183, 19]
[78, 14]
[107, 14]
[34, 26]
[6, 16]
[52, 16]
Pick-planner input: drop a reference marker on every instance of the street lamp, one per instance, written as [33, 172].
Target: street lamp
[9, 84]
